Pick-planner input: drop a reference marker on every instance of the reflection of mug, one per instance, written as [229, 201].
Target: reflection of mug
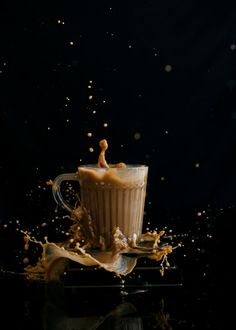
[113, 197]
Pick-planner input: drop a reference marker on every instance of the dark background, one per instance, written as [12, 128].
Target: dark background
[162, 76]
[163, 79]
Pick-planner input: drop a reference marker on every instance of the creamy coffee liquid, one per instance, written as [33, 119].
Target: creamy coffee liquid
[114, 197]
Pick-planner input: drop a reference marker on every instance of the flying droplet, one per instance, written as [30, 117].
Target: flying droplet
[168, 68]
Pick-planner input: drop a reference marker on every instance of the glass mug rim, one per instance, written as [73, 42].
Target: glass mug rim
[127, 166]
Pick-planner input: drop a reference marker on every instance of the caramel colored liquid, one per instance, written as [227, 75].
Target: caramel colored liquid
[114, 198]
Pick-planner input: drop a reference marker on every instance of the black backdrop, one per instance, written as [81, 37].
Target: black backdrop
[161, 75]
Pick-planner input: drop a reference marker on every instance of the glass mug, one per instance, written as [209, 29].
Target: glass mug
[113, 197]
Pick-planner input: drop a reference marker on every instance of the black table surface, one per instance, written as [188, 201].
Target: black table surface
[193, 294]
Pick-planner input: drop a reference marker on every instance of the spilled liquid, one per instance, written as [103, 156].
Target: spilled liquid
[115, 250]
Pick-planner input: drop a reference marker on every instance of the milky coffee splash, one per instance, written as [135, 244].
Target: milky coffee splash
[83, 246]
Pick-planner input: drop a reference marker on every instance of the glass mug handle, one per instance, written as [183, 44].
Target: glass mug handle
[56, 189]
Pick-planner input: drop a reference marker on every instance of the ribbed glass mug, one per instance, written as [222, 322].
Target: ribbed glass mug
[113, 197]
